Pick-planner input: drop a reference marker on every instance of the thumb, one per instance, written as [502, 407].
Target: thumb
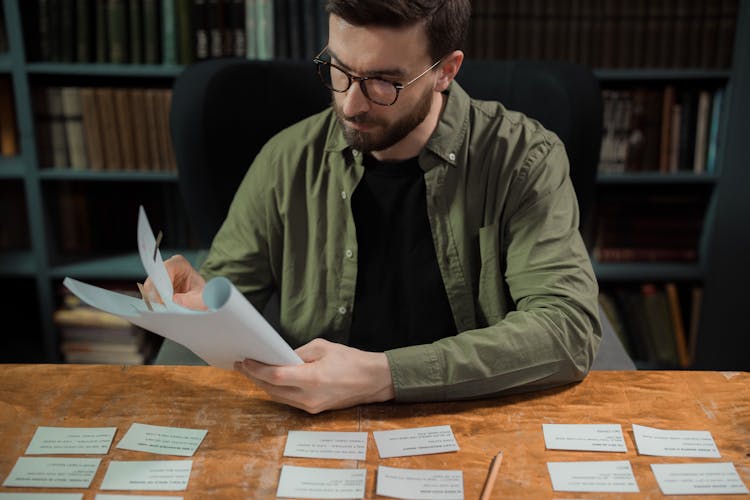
[313, 350]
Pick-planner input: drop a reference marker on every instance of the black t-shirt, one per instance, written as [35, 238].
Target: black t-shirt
[400, 298]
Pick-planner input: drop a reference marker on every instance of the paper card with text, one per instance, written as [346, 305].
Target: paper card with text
[315, 482]
[157, 475]
[41, 496]
[322, 444]
[416, 441]
[674, 443]
[44, 472]
[699, 479]
[604, 477]
[420, 484]
[110, 496]
[71, 440]
[162, 440]
[584, 437]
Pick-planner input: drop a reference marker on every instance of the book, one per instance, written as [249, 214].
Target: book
[237, 35]
[8, 126]
[688, 122]
[117, 32]
[668, 103]
[56, 120]
[727, 24]
[680, 339]
[135, 37]
[280, 23]
[136, 98]
[185, 34]
[251, 35]
[84, 40]
[265, 29]
[125, 128]
[200, 24]
[701, 131]
[73, 120]
[92, 129]
[101, 28]
[151, 32]
[168, 32]
[714, 128]
[696, 304]
[105, 105]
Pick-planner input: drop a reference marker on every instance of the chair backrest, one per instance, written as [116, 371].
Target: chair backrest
[224, 110]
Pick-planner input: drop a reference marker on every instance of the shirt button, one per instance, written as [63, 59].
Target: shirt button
[451, 157]
[349, 253]
[343, 195]
[355, 152]
[342, 310]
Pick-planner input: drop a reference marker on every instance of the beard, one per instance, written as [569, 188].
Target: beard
[389, 134]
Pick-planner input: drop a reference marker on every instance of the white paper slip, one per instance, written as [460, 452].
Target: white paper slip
[605, 476]
[320, 444]
[71, 440]
[710, 478]
[41, 496]
[584, 437]
[420, 484]
[313, 482]
[417, 441]
[673, 443]
[157, 475]
[45, 472]
[162, 440]
[110, 496]
[230, 330]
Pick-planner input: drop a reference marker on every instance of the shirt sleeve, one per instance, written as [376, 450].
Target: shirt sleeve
[552, 332]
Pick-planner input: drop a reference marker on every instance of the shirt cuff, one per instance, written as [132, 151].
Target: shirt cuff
[417, 373]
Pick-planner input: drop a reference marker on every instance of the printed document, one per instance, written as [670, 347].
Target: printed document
[320, 444]
[709, 478]
[604, 476]
[45, 472]
[417, 441]
[161, 475]
[231, 330]
[420, 484]
[162, 440]
[314, 482]
[584, 437]
[71, 440]
[672, 443]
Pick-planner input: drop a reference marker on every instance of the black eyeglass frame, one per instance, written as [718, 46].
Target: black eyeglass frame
[362, 79]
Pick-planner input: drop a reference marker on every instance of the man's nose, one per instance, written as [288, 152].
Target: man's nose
[355, 101]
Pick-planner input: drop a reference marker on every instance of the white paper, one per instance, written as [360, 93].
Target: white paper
[320, 444]
[420, 484]
[41, 496]
[584, 437]
[674, 443]
[231, 330]
[605, 476]
[709, 478]
[156, 475]
[313, 482]
[162, 440]
[417, 441]
[59, 472]
[71, 440]
[111, 496]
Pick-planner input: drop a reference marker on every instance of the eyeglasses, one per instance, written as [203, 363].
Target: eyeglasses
[377, 90]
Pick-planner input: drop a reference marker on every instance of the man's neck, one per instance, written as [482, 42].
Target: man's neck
[412, 144]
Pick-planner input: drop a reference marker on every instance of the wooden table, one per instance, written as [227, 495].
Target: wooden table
[241, 456]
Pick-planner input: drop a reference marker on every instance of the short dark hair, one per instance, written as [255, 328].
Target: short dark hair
[446, 21]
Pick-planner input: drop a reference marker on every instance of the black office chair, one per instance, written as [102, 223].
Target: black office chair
[224, 110]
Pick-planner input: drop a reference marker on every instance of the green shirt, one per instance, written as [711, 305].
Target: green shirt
[504, 220]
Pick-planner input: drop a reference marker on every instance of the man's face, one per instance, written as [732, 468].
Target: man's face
[397, 55]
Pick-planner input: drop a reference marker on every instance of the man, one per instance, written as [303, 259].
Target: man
[425, 246]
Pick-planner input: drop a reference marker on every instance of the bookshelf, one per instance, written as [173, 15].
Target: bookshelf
[34, 265]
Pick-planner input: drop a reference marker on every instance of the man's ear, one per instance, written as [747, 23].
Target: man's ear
[448, 69]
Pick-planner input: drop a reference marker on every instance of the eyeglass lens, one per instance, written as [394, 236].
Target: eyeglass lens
[377, 90]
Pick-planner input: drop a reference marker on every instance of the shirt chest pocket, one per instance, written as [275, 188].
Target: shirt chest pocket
[492, 299]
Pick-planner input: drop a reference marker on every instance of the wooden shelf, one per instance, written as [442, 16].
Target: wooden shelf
[66, 174]
[119, 70]
[12, 168]
[648, 271]
[17, 263]
[656, 74]
[656, 178]
[126, 266]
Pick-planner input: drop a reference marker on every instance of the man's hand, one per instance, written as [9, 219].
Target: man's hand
[187, 283]
[333, 376]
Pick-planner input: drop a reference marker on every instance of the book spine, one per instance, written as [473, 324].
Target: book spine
[168, 32]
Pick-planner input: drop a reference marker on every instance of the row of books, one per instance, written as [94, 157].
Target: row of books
[172, 31]
[103, 128]
[665, 129]
[657, 323]
[8, 131]
[649, 226]
[607, 33]
[92, 336]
